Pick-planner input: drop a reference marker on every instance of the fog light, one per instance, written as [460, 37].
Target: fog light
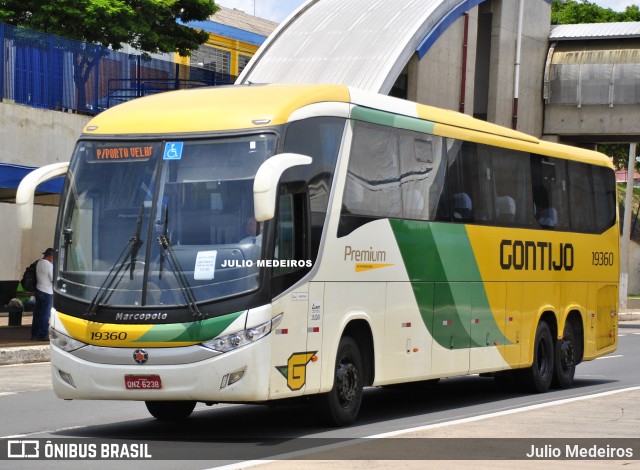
[232, 378]
[235, 376]
[65, 376]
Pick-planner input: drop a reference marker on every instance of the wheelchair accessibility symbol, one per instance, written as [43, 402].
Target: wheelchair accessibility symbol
[173, 151]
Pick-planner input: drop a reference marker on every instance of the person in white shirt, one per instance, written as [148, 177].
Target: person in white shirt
[252, 229]
[44, 297]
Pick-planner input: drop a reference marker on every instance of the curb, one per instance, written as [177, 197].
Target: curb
[24, 354]
[630, 316]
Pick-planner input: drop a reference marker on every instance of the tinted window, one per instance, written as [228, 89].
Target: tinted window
[372, 187]
[394, 173]
[513, 205]
[604, 185]
[581, 201]
[550, 192]
[404, 174]
[320, 139]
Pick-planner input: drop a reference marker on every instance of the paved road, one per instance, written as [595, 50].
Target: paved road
[469, 407]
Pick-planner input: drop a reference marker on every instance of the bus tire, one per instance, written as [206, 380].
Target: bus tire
[341, 405]
[170, 410]
[537, 378]
[565, 359]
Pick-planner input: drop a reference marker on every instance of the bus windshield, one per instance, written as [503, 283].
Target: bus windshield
[152, 223]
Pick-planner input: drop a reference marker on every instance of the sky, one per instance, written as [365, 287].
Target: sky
[278, 10]
[274, 10]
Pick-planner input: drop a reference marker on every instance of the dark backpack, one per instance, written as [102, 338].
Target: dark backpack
[29, 278]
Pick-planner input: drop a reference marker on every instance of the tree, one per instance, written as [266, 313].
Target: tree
[583, 11]
[148, 25]
[618, 152]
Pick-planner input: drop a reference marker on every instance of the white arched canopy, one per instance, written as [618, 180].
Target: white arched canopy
[361, 43]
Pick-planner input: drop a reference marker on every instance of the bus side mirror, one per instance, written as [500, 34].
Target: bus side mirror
[265, 186]
[27, 190]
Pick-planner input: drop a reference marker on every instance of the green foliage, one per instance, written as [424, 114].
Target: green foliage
[635, 208]
[583, 11]
[148, 25]
[618, 152]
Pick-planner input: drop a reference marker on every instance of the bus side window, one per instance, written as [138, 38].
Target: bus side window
[581, 198]
[550, 192]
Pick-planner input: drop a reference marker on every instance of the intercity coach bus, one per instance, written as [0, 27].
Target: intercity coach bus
[267, 242]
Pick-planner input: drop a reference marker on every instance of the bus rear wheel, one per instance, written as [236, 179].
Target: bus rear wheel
[565, 363]
[342, 404]
[537, 378]
[170, 410]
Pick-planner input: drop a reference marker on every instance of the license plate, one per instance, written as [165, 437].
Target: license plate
[142, 382]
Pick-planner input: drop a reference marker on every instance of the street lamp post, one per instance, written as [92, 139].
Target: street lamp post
[626, 231]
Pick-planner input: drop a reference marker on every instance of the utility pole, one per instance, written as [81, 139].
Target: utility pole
[626, 230]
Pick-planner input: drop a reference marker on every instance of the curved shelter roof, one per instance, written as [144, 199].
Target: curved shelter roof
[361, 43]
[586, 31]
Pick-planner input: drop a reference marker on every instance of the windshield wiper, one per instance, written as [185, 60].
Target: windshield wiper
[167, 251]
[130, 249]
[136, 242]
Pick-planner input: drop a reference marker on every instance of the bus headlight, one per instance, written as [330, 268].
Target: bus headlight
[238, 339]
[64, 342]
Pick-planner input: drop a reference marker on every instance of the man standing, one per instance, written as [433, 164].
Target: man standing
[44, 296]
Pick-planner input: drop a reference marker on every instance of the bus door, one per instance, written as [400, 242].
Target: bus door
[290, 355]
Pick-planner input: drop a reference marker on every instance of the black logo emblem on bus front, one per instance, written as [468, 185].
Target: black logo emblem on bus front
[140, 356]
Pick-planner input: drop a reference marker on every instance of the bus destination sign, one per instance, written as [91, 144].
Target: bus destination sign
[122, 153]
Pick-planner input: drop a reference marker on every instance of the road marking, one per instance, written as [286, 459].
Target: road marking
[293, 455]
[4, 394]
[44, 431]
[507, 412]
[609, 357]
[25, 364]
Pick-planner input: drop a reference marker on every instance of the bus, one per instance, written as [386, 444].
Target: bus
[259, 243]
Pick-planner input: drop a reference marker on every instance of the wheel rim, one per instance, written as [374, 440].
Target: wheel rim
[346, 382]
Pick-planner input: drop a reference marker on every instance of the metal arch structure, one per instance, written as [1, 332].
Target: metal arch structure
[361, 43]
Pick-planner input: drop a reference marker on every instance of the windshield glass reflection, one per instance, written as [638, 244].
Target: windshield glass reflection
[155, 223]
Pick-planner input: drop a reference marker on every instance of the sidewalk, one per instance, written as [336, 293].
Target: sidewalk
[16, 346]
[607, 419]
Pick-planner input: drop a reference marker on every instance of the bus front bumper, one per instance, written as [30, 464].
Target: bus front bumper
[236, 376]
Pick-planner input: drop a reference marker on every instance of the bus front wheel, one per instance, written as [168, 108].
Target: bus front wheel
[170, 410]
[537, 378]
[342, 403]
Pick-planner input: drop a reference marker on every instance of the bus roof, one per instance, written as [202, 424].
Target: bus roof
[241, 107]
[212, 108]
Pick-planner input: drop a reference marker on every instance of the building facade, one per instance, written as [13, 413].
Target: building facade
[234, 37]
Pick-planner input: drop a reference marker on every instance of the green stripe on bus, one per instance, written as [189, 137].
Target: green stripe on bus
[384, 118]
[446, 283]
[194, 332]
